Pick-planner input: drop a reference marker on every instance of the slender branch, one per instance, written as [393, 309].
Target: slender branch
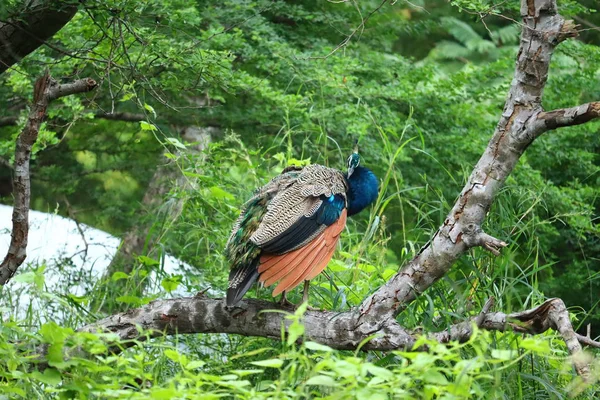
[46, 89]
[122, 116]
[118, 116]
[8, 121]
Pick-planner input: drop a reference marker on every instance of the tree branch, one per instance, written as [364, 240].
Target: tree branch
[543, 30]
[46, 89]
[548, 120]
[121, 116]
[24, 33]
[8, 121]
[337, 330]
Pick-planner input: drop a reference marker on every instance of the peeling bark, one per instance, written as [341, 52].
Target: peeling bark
[336, 330]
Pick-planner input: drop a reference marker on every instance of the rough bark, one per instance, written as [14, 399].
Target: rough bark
[46, 89]
[33, 25]
[334, 329]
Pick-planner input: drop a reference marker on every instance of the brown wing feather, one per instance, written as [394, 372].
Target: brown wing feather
[299, 262]
[331, 238]
[287, 283]
[270, 265]
[304, 263]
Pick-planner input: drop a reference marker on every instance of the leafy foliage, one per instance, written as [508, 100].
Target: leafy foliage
[421, 84]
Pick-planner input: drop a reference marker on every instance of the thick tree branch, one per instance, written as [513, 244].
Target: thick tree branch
[28, 30]
[46, 89]
[336, 330]
[543, 30]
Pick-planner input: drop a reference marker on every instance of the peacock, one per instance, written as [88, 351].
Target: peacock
[288, 230]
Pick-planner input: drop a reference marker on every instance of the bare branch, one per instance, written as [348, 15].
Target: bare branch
[474, 236]
[8, 121]
[57, 91]
[122, 116]
[549, 120]
[251, 318]
[46, 89]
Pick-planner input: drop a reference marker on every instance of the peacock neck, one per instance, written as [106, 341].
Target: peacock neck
[363, 189]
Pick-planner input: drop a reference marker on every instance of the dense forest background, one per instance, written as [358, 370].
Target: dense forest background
[199, 103]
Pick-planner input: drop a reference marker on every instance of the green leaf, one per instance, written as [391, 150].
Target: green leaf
[536, 345]
[118, 276]
[27, 277]
[504, 355]
[317, 346]
[127, 96]
[321, 380]
[176, 143]
[133, 300]
[146, 126]
[50, 376]
[435, 377]
[220, 194]
[195, 364]
[171, 283]
[244, 372]
[150, 108]
[175, 356]
[295, 330]
[147, 261]
[272, 363]
[379, 372]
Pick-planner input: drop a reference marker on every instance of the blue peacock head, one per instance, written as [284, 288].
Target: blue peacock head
[363, 184]
[353, 162]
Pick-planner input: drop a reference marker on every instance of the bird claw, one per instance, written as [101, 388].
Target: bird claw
[284, 302]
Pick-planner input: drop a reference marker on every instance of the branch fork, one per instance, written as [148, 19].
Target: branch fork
[473, 236]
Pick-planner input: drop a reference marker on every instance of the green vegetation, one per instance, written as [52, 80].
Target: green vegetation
[420, 84]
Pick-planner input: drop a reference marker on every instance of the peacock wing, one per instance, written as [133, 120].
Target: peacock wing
[302, 210]
[253, 210]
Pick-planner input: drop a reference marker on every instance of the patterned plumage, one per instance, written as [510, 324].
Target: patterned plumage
[288, 230]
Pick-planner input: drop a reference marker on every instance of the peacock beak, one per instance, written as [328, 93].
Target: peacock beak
[350, 171]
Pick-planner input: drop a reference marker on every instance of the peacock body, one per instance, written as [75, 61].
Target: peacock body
[288, 230]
